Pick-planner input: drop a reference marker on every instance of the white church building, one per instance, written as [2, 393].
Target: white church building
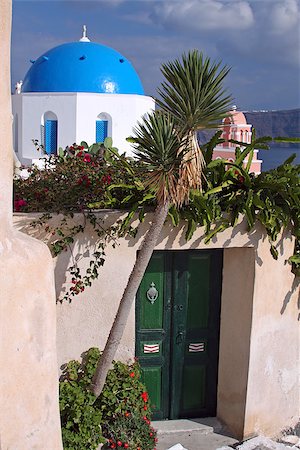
[78, 91]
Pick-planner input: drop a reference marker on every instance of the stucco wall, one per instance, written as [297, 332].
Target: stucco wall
[235, 335]
[258, 388]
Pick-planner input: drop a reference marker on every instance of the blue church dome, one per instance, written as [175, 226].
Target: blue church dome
[82, 67]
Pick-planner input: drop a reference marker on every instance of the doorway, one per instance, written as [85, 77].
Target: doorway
[177, 331]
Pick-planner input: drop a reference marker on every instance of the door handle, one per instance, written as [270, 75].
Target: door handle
[179, 337]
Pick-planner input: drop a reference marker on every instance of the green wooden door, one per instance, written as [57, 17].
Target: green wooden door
[177, 331]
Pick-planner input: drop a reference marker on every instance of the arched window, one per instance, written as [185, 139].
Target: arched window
[49, 132]
[103, 127]
[15, 133]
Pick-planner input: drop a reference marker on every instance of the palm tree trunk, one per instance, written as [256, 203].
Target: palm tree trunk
[128, 297]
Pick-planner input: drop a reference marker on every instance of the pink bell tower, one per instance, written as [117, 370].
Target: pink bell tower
[235, 127]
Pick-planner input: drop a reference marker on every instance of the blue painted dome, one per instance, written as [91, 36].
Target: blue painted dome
[82, 67]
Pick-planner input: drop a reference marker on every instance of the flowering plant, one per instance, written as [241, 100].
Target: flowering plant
[120, 416]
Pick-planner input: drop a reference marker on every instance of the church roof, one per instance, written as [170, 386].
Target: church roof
[82, 66]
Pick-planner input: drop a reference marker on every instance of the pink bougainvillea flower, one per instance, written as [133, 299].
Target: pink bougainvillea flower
[106, 179]
[87, 157]
[19, 203]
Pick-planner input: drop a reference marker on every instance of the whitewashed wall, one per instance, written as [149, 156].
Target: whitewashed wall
[77, 114]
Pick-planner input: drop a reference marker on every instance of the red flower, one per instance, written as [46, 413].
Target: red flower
[145, 396]
[127, 414]
[87, 157]
[132, 374]
[84, 180]
[106, 179]
[145, 408]
[113, 445]
[19, 203]
[79, 154]
[119, 443]
[126, 445]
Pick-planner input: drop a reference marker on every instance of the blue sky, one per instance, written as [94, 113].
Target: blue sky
[258, 39]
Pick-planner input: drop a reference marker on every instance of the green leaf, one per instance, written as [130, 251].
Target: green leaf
[216, 230]
[191, 228]
[220, 188]
[108, 142]
[174, 215]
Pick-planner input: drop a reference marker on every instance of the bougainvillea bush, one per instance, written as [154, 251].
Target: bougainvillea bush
[79, 178]
[120, 417]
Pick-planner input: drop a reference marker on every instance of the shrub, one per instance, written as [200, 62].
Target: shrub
[80, 419]
[81, 177]
[131, 432]
[121, 414]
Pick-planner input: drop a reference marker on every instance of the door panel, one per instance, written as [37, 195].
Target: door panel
[177, 336]
[152, 337]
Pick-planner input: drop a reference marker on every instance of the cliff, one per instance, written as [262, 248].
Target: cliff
[275, 123]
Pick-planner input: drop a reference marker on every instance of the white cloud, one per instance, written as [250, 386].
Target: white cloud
[205, 14]
[284, 15]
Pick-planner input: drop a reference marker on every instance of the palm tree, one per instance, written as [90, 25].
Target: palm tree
[192, 98]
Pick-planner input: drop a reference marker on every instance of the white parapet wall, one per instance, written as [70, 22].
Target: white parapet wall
[258, 381]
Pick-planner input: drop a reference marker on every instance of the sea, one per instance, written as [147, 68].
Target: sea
[277, 155]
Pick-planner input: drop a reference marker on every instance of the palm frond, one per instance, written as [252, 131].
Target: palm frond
[193, 92]
[156, 144]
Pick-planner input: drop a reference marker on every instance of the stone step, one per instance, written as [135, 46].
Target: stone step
[202, 426]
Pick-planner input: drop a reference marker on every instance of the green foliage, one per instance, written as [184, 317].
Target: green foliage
[131, 432]
[271, 198]
[80, 419]
[78, 179]
[121, 414]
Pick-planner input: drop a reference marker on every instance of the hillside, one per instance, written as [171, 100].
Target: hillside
[275, 123]
[285, 123]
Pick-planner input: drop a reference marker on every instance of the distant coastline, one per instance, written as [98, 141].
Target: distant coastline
[284, 123]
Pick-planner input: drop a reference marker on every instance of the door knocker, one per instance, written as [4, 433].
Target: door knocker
[152, 293]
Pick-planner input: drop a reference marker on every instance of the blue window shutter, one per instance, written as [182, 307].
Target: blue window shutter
[51, 136]
[101, 130]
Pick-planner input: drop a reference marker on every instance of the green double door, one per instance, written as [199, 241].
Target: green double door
[177, 331]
